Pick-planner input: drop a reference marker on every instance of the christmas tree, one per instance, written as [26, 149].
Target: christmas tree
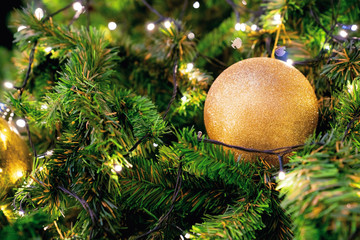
[109, 98]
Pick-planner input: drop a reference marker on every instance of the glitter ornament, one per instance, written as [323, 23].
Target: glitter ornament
[15, 158]
[260, 103]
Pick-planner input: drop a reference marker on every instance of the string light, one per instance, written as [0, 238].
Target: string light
[20, 123]
[196, 5]
[167, 24]
[8, 85]
[48, 49]
[44, 107]
[39, 13]
[19, 174]
[21, 213]
[77, 6]
[281, 175]
[354, 27]
[327, 46]
[244, 2]
[49, 153]
[1, 170]
[277, 18]
[254, 27]
[189, 67]
[237, 26]
[150, 26]
[21, 27]
[41, 168]
[184, 99]
[289, 62]
[112, 26]
[117, 168]
[343, 33]
[187, 235]
[155, 144]
[191, 36]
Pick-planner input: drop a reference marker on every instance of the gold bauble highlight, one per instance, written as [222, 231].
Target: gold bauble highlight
[15, 158]
[260, 103]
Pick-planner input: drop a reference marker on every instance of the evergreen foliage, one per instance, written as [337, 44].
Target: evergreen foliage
[125, 166]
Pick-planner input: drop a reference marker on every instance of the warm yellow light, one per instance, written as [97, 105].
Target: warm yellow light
[19, 174]
[1, 170]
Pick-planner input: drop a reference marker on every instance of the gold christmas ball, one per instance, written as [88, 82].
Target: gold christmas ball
[260, 103]
[15, 158]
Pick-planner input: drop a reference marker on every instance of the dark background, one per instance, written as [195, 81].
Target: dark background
[6, 36]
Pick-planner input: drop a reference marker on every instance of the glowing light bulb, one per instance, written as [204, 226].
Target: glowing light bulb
[19, 174]
[1, 170]
[44, 107]
[49, 153]
[289, 62]
[354, 27]
[112, 26]
[21, 213]
[343, 33]
[191, 36]
[244, 2]
[189, 67]
[243, 27]
[48, 49]
[327, 46]
[281, 175]
[117, 168]
[8, 85]
[21, 27]
[196, 5]
[187, 235]
[39, 13]
[77, 6]
[20, 123]
[254, 27]
[167, 24]
[41, 168]
[150, 27]
[155, 144]
[277, 17]
[184, 98]
[237, 26]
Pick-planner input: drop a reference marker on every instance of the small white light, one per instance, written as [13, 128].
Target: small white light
[8, 85]
[22, 27]
[150, 27]
[289, 62]
[155, 144]
[48, 49]
[167, 24]
[49, 153]
[350, 88]
[277, 17]
[184, 98]
[191, 36]
[39, 13]
[44, 107]
[187, 235]
[327, 46]
[11, 114]
[253, 27]
[19, 174]
[112, 26]
[237, 26]
[196, 5]
[243, 27]
[20, 123]
[117, 168]
[46, 228]
[244, 2]
[354, 27]
[21, 213]
[343, 33]
[189, 67]
[41, 168]
[8, 109]
[77, 6]
[1, 170]
[281, 175]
